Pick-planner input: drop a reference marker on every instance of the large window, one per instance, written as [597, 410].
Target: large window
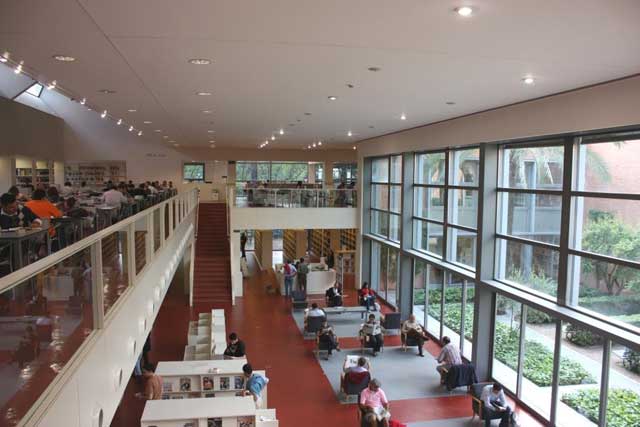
[386, 197]
[445, 205]
[385, 271]
[529, 211]
[273, 172]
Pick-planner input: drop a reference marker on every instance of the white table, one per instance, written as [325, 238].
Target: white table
[317, 281]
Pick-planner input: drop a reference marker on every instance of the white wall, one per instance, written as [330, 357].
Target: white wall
[598, 107]
[294, 218]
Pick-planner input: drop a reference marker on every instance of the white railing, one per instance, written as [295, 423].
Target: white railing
[63, 300]
[293, 198]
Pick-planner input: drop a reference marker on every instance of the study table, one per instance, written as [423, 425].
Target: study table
[14, 239]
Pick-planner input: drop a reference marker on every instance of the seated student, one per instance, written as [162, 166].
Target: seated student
[367, 296]
[495, 405]
[449, 356]
[371, 331]
[43, 208]
[374, 405]
[16, 192]
[152, 385]
[235, 348]
[314, 312]
[13, 215]
[327, 336]
[254, 384]
[52, 195]
[414, 330]
[67, 190]
[362, 366]
[114, 198]
[73, 211]
[333, 296]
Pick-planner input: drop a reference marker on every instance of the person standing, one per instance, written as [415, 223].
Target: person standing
[243, 244]
[254, 384]
[303, 270]
[331, 259]
[152, 385]
[289, 273]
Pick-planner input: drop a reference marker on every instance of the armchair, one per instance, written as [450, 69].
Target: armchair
[475, 390]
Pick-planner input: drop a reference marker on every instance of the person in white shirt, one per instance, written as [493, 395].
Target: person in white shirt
[114, 198]
[372, 332]
[67, 190]
[414, 330]
[495, 405]
[449, 356]
[151, 188]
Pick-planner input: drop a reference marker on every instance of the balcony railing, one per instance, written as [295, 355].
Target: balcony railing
[293, 198]
[52, 309]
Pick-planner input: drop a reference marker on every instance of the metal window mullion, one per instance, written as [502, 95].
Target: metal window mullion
[426, 291]
[445, 219]
[534, 191]
[521, 349]
[593, 194]
[97, 285]
[605, 258]
[555, 378]
[463, 228]
[432, 221]
[528, 241]
[565, 224]
[462, 314]
[443, 289]
[604, 382]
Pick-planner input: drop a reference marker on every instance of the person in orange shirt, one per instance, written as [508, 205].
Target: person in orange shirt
[43, 208]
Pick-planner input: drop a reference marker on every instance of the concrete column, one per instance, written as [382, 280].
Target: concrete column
[236, 272]
[301, 243]
[328, 174]
[312, 173]
[265, 256]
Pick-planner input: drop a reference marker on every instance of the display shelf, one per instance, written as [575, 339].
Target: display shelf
[348, 239]
[289, 244]
[320, 242]
[95, 174]
[345, 267]
[258, 245]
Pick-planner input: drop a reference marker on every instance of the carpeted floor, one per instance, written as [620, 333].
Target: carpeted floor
[403, 374]
[453, 422]
[344, 325]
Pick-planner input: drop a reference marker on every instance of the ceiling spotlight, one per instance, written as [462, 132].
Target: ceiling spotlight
[130, 128]
[211, 141]
[147, 122]
[354, 147]
[528, 80]
[132, 110]
[84, 101]
[403, 117]
[374, 69]
[107, 91]
[281, 131]
[52, 85]
[464, 11]
[308, 146]
[203, 93]
[206, 111]
[266, 143]
[140, 133]
[211, 131]
[273, 138]
[158, 130]
[104, 114]
[333, 98]
[4, 57]
[119, 122]
[64, 58]
[319, 143]
[313, 145]
[200, 61]
[349, 133]
[18, 69]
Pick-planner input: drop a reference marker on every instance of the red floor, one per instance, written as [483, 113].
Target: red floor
[298, 389]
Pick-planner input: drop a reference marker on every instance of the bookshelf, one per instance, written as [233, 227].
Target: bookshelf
[348, 239]
[95, 173]
[345, 268]
[320, 242]
[289, 245]
[257, 235]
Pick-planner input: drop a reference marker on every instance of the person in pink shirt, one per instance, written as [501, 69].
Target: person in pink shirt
[374, 405]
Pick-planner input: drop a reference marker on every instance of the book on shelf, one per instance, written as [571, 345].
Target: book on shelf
[185, 384]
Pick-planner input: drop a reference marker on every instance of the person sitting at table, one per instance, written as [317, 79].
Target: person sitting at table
[235, 348]
[362, 365]
[333, 296]
[83, 188]
[374, 405]
[367, 296]
[113, 198]
[13, 215]
[73, 211]
[328, 338]
[314, 312]
[414, 330]
[495, 405]
[16, 192]
[52, 195]
[449, 356]
[67, 190]
[371, 331]
[42, 207]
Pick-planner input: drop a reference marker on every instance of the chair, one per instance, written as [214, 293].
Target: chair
[391, 321]
[299, 300]
[408, 341]
[460, 375]
[353, 383]
[322, 346]
[475, 390]
[314, 324]
[366, 343]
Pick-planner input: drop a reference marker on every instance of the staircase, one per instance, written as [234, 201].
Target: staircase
[212, 271]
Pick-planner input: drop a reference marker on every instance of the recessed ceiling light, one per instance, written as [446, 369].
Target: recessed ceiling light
[140, 133]
[354, 147]
[273, 138]
[104, 114]
[206, 111]
[83, 101]
[52, 85]
[313, 145]
[119, 122]
[308, 146]
[349, 133]
[158, 130]
[403, 117]
[350, 86]
[451, 103]
[171, 141]
[64, 58]
[333, 98]
[320, 143]
[165, 137]
[200, 61]
[307, 114]
[374, 69]
[281, 131]
[147, 122]
[203, 93]
[528, 80]
[130, 128]
[211, 141]
[176, 145]
[132, 110]
[211, 131]
[107, 91]
[464, 11]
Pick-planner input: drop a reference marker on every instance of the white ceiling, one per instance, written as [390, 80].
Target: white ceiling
[275, 60]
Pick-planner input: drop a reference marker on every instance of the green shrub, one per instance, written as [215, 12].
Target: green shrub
[623, 406]
[631, 360]
[538, 317]
[435, 296]
[612, 305]
[581, 337]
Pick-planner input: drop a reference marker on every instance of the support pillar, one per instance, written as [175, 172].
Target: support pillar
[236, 271]
[328, 174]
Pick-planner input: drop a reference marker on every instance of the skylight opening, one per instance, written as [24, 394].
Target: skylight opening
[35, 90]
